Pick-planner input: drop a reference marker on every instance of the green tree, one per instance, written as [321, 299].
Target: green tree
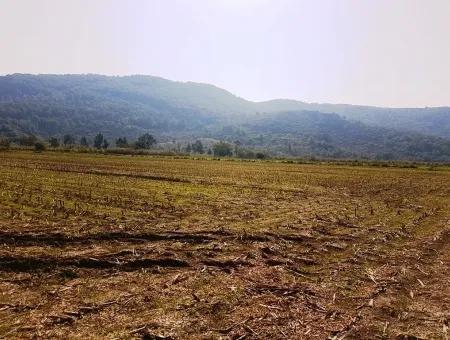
[189, 148]
[105, 144]
[84, 142]
[197, 147]
[245, 153]
[98, 141]
[260, 155]
[122, 142]
[54, 142]
[222, 149]
[39, 146]
[5, 143]
[68, 140]
[237, 145]
[290, 149]
[146, 141]
[27, 140]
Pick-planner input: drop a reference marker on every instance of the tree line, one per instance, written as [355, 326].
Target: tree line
[143, 142]
[224, 149]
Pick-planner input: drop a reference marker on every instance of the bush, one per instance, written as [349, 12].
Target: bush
[54, 142]
[39, 147]
[5, 143]
[27, 140]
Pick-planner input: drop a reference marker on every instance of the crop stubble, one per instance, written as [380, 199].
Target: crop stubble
[120, 246]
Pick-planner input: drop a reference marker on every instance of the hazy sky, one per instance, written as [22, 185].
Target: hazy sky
[377, 52]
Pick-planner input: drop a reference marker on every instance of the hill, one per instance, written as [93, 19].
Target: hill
[330, 135]
[433, 121]
[83, 105]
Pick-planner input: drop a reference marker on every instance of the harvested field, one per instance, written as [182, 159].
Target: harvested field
[99, 246]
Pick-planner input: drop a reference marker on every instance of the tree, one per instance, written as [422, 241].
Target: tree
[54, 142]
[39, 146]
[98, 141]
[222, 149]
[188, 148]
[245, 153]
[27, 140]
[260, 155]
[122, 142]
[68, 139]
[237, 145]
[105, 144]
[84, 142]
[197, 147]
[5, 143]
[145, 141]
[209, 152]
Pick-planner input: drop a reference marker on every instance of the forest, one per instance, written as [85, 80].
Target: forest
[178, 114]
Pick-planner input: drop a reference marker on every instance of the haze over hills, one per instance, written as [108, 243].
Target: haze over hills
[83, 105]
[429, 120]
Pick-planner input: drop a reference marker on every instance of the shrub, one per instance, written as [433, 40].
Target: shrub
[5, 143]
[39, 147]
[54, 142]
[27, 140]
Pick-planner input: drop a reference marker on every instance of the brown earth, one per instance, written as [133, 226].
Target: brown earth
[122, 247]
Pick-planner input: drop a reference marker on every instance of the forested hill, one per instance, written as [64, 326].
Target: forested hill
[433, 121]
[83, 105]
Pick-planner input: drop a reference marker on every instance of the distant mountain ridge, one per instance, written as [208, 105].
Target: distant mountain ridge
[431, 120]
[83, 105]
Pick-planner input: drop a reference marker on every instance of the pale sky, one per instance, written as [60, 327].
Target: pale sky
[374, 52]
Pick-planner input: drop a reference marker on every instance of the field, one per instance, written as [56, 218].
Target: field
[99, 246]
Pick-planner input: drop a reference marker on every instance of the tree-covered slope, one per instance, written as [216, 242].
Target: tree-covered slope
[83, 105]
[312, 132]
[433, 121]
[86, 104]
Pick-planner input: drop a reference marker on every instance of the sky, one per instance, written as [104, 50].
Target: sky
[372, 52]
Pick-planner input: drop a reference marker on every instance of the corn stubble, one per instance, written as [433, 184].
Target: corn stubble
[166, 248]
